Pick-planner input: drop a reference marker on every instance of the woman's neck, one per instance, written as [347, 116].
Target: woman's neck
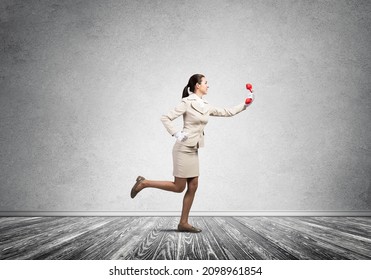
[200, 95]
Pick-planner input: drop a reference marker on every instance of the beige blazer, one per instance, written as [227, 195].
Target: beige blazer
[195, 118]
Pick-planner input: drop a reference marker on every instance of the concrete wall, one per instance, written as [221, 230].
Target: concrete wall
[83, 85]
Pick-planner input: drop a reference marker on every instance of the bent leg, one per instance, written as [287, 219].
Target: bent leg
[178, 185]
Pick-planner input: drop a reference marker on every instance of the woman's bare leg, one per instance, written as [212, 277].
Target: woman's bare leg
[188, 200]
[178, 185]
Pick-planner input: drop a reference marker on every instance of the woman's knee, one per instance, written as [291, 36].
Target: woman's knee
[193, 184]
[180, 184]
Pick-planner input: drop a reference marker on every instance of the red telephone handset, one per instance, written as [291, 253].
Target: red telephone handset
[249, 99]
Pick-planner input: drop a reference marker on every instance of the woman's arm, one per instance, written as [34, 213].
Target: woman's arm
[227, 112]
[173, 114]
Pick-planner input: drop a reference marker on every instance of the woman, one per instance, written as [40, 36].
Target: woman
[195, 111]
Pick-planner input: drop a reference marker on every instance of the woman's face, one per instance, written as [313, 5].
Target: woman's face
[203, 87]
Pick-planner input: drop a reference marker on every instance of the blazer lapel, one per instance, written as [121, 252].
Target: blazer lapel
[195, 105]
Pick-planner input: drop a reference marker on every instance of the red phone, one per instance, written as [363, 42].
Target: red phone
[248, 87]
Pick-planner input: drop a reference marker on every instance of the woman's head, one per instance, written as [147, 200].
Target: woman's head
[193, 82]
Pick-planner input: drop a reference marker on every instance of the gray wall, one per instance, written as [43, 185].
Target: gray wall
[84, 83]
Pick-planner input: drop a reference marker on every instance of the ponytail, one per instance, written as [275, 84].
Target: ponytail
[185, 91]
[195, 79]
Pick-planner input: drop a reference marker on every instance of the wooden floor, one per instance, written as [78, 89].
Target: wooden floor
[242, 238]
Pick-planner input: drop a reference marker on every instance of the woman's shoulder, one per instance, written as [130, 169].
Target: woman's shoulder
[189, 98]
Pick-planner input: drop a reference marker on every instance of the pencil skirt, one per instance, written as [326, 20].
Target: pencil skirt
[185, 161]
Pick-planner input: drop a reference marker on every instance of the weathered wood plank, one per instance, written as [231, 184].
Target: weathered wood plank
[167, 248]
[146, 249]
[347, 245]
[66, 237]
[212, 249]
[132, 235]
[157, 238]
[350, 225]
[231, 247]
[258, 245]
[33, 241]
[28, 227]
[191, 246]
[297, 243]
[11, 222]
[91, 245]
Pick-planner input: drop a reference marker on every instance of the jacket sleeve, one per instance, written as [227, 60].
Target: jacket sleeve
[227, 112]
[173, 114]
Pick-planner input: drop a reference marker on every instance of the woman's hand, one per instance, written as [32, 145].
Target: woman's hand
[250, 99]
[181, 136]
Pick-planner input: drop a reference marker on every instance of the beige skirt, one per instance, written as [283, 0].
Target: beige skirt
[185, 161]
